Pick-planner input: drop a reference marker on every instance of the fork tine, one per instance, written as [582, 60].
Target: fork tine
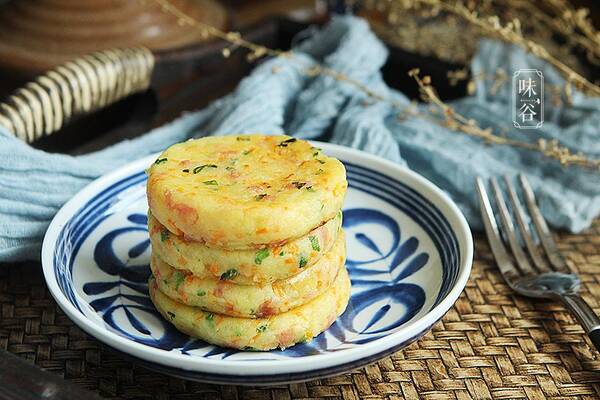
[507, 268]
[539, 262]
[509, 230]
[541, 228]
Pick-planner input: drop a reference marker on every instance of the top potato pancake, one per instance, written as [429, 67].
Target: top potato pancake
[244, 191]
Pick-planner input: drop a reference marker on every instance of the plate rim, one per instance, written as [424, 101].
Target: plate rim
[412, 179]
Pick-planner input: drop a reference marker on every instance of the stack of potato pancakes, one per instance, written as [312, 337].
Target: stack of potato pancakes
[247, 246]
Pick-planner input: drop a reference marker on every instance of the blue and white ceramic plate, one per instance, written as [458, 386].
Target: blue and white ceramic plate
[409, 257]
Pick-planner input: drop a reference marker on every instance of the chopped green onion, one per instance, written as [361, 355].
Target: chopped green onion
[185, 170]
[303, 261]
[201, 167]
[211, 183]
[229, 274]
[261, 255]
[242, 139]
[164, 235]
[160, 161]
[260, 196]
[314, 242]
[261, 328]
[286, 142]
[210, 316]
[299, 185]
[201, 293]
[179, 278]
[171, 315]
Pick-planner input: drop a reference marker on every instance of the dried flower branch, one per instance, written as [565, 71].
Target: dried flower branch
[455, 121]
[234, 38]
[568, 18]
[452, 119]
[552, 16]
[511, 33]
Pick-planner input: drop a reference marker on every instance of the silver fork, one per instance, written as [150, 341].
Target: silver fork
[543, 277]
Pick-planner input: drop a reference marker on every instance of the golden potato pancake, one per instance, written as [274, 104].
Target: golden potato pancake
[224, 297]
[240, 192]
[280, 331]
[244, 267]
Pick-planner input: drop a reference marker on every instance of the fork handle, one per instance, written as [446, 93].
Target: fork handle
[585, 315]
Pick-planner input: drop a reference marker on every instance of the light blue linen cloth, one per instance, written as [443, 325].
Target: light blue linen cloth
[278, 97]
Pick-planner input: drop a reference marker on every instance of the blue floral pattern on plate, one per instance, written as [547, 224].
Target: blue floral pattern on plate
[124, 295]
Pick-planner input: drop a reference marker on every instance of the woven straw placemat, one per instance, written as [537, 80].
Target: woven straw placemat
[490, 345]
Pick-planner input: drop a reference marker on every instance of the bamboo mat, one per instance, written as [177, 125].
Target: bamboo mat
[490, 345]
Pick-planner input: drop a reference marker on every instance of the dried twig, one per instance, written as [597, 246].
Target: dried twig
[451, 120]
[234, 38]
[510, 33]
[455, 121]
[557, 16]
[569, 21]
